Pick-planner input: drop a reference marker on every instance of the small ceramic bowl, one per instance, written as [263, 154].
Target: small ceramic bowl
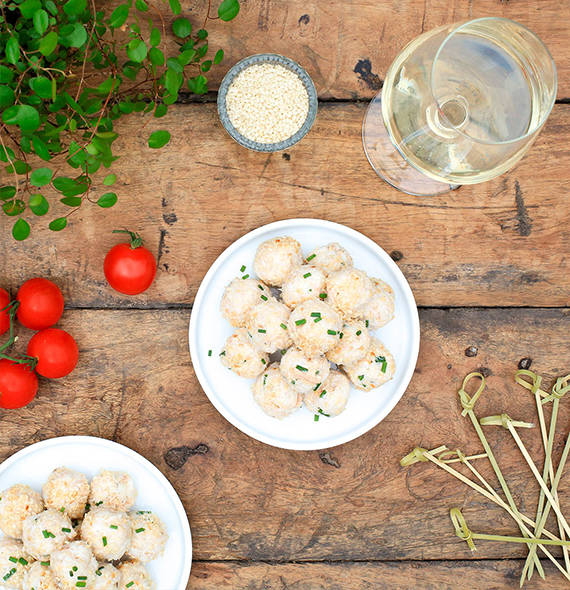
[290, 65]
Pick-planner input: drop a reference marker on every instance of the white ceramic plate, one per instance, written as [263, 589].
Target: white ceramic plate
[231, 394]
[89, 455]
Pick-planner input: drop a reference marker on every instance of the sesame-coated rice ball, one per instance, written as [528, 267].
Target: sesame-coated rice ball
[242, 356]
[239, 297]
[379, 309]
[149, 536]
[302, 283]
[302, 371]
[12, 572]
[314, 327]
[39, 577]
[353, 345]
[134, 576]
[68, 489]
[274, 394]
[375, 369]
[114, 489]
[108, 533]
[107, 577]
[330, 258]
[276, 258]
[349, 291]
[16, 504]
[267, 325]
[331, 397]
[72, 564]
[46, 532]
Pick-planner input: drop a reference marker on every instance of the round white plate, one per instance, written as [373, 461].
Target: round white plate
[231, 394]
[89, 455]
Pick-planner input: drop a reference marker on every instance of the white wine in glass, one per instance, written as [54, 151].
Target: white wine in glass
[461, 104]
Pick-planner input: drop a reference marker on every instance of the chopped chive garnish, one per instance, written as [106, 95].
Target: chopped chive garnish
[113, 526]
[260, 286]
[264, 298]
[264, 361]
[284, 351]
[141, 530]
[223, 353]
[74, 568]
[360, 377]
[300, 322]
[129, 584]
[323, 393]
[366, 323]
[283, 326]
[381, 359]
[332, 332]
[9, 574]
[13, 559]
[316, 386]
[209, 353]
[242, 268]
[245, 277]
[316, 314]
[323, 413]
[323, 295]
[317, 320]
[104, 539]
[261, 331]
[340, 335]
[99, 503]
[310, 257]
[46, 563]
[307, 275]
[358, 332]
[300, 368]
[62, 509]
[80, 584]
[265, 379]
[81, 577]
[65, 530]
[316, 418]
[47, 534]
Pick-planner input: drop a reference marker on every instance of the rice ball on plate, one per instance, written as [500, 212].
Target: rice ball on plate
[267, 325]
[276, 258]
[274, 394]
[379, 309]
[107, 577]
[39, 577]
[108, 533]
[349, 291]
[134, 576]
[12, 572]
[114, 489]
[302, 283]
[239, 297]
[68, 489]
[72, 564]
[375, 369]
[352, 346]
[242, 356]
[16, 504]
[314, 327]
[330, 258]
[46, 532]
[302, 371]
[149, 536]
[331, 397]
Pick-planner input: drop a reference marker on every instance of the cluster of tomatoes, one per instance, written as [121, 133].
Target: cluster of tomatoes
[51, 352]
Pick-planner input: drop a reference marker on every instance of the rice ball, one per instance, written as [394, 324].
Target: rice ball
[108, 533]
[349, 291]
[276, 258]
[314, 327]
[239, 297]
[16, 504]
[379, 309]
[12, 572]
[330, 258]
[302, 371]
[72, 564]
[114, 489]
[331, 397]
[68, 489]
[134, 576]
[39, 577]
[302, 283]
[375, 369]
[274, 394]
[107, 577]
[267, 325]
[46, 532]
[149, 536]
[353, 345]
[242, 356]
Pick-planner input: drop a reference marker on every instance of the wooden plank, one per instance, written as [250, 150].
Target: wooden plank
[504, 242]
[246, 500]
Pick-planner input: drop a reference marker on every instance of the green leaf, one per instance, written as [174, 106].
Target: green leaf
[186, 56]
[111, 83]
[160, 111]
[198, 85]
[158, 139]
[110, 179]
[41, 148]
[156, 56]
[38, 204]
[41, 176]
[21, 230]
[48, 43]
[107, 200]
[41, 86]
[141, 5]
[182, 27]
[41, 21]
[58, 224]
[7, 192]
[136, 50]
[206, 65]
[228, 9]
[19, 167]
[119, 16]
[70, 187]
[6, 153]
[175, 6]
[74, 7]
[29, 7]
[202, 34]
[71, 201]
[72, 35]
[23, 115]
[6, 74]
[7, 96]
[51, 7]
[12, 50]
[219, 56]
[175, 65]
[155, 37]
[172, 82]
[13, 208]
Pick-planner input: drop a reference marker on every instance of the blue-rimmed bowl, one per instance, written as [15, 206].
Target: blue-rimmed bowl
[291, 65]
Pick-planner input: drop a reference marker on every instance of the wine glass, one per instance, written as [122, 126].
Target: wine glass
[461, 104]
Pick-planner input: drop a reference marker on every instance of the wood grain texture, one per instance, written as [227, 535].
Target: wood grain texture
[505, 242]
[249, 501]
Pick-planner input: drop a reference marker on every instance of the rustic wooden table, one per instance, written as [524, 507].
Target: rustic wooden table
[489, 265]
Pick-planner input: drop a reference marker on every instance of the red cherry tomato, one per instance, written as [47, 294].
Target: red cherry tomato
[130, 268]
[18, 385]
[41, 304]
[56, 351]
[4, 317]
